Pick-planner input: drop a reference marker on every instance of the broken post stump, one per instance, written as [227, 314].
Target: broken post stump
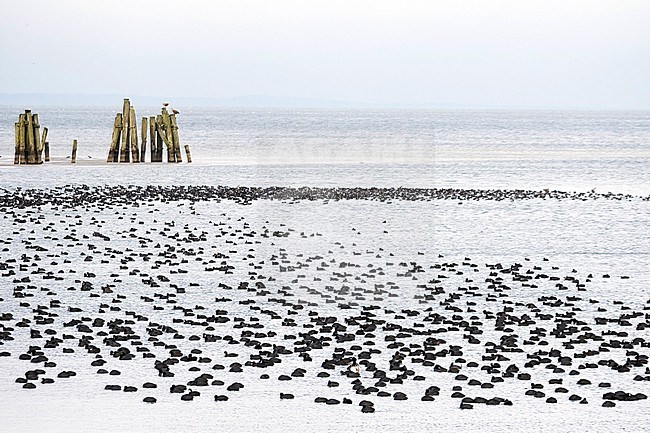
[187, 153]
[46, 146]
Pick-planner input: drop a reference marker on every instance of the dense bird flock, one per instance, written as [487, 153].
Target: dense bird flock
[161, 299]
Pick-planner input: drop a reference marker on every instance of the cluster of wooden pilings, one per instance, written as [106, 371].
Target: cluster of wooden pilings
[29, 142]
[124, 145]
[162, 128]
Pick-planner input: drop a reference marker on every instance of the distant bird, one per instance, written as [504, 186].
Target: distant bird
[175, 111]
[165, 104]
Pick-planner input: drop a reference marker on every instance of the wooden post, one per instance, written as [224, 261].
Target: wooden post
[46, 146]
[159, 144]
[162, 137]
[114, 150]
[171, 153]
[187, 153]
[143, 150]
[22, 137]
[126, 139]
[152, 138]
[17, 141]
[43, 140]
[38, 159]
[74, 151]
[177, 145]
[30, 143]
[133, 125]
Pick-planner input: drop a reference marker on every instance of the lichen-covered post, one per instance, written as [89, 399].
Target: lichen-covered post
[126, 136]
[187, 153]
[74, 152]
[177, 146]
[143, 149]
[113, 151]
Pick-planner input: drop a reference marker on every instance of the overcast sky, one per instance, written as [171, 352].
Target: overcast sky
[548, 53]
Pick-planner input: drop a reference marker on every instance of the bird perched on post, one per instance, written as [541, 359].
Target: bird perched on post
[165, 104]
[175, 111]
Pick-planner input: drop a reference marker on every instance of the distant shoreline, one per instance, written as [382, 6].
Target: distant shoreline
[264, 101]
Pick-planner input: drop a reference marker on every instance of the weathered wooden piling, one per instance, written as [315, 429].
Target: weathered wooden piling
[43, 140]
[152, 138]
[143, 149]
[124, 143]
[159, 140]
[187, 153]
[46, 146]
[135, 156]
[162, 135]
[169, 141]
[177, 146]
[38, 150]
[163, 130]
[113, 151]
[17, 142]
[27, 140]
[22, 137]
[126, 139]
[74, 152]
[30, 145]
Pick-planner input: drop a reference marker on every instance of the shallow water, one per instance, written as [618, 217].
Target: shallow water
[566, 151]
[569, 150]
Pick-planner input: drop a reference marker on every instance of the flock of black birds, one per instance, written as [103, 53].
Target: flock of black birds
[204, 303]
[76, 195]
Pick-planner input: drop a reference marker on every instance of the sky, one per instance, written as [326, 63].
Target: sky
[497, 53]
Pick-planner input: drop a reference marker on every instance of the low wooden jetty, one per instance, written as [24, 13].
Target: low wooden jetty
[28, 140]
